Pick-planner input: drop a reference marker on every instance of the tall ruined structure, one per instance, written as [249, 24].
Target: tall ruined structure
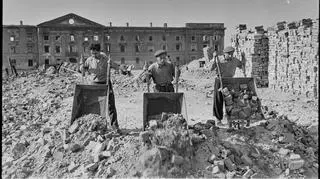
[285, 57]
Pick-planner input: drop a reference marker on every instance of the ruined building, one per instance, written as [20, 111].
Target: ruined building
[68, 37]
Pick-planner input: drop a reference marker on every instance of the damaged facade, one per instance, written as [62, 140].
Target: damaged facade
[68, 37]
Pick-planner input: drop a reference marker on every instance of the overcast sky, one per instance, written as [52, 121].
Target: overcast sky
[174, 12]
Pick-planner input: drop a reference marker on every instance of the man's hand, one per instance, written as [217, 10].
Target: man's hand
[215, 54]
[145, 66]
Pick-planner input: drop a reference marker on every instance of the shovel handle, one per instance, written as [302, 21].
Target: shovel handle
[176, 71]
[108, 87]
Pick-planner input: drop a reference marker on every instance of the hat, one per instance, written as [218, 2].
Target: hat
[96, 47]
[160, 52]
[228, 49]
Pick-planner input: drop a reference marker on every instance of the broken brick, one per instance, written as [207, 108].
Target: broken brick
[92, 167]
[229, 165]
[177, 160]
[75, 147]
[73, 128]
[246, 160]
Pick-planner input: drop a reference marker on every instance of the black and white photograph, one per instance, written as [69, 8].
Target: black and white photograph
[160, 89]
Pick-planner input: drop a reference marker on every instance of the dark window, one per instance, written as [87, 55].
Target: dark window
[137, 60]
[164, 47]
[46, 48]
[30, 63]
[72, 48]
[216, 48]
[58, 59]
[150, 38]
[58, 49]
[193, 38]
[58, 37]
[137, 48]
[73, 60]
[123, 61]
[137, 38]
[46, 61]
[205, 45]
[164, 38]
[177, 59]
[46, 37]
[215, 37]
[13, 49]
[122, 38]
[177, 38]
[12, 38]
[178, 47]
[122, 48]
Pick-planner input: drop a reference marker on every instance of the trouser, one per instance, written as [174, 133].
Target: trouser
[217, 101]
[163, 88]
[112, 105]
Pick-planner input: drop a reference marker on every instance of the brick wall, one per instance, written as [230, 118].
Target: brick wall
[285, 57]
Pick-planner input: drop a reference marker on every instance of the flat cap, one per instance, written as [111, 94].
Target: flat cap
[160, 52]
[228, 49]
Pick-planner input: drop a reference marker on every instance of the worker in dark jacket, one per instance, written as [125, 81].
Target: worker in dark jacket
[96, 65]
[227, 65]
[162, 72]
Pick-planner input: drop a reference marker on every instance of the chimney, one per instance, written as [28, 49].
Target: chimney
[21, 22]
[150, 24]
[110, 23]
[127, 24]
[165, 25]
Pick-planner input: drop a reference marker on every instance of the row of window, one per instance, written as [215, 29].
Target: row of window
[96, 38]
[122, 48]
[14, 62]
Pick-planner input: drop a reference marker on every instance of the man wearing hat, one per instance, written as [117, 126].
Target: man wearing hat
[96, 66]
[227, 67]
[162, 72]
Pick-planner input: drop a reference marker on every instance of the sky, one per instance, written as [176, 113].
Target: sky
[173, 12]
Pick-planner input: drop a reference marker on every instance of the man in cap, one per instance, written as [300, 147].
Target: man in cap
[227, 67]
[162, 72]
[96, 66]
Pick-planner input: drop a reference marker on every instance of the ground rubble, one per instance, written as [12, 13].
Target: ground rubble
[38, 140]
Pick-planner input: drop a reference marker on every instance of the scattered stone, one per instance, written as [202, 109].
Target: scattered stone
[72, 167]
[215, 169]
[58, 156]
[75, 147]
[145, 137]
[73, 128]
[18, 150]
[248, 174]
[110, 172]
[177, 160]
[246, 160]
[283, 152]
[212, 158]
[92, 167]
[229, 165]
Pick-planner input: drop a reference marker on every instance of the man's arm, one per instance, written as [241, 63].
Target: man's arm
[241, 64]
[84, 64]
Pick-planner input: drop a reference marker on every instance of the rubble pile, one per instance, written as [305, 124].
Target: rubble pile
[168, 149]
[242, 106]
[276, 148]
[253, 48]
[294, 57]
[38, 141]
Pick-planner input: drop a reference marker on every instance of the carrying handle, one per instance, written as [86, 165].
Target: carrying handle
[219, 72]
[176, 71]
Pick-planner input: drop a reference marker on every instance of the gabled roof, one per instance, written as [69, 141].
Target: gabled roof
[63, 21]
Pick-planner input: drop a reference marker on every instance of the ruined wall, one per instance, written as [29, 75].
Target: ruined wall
[252, 46]
[285, 57]
[294, 57]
